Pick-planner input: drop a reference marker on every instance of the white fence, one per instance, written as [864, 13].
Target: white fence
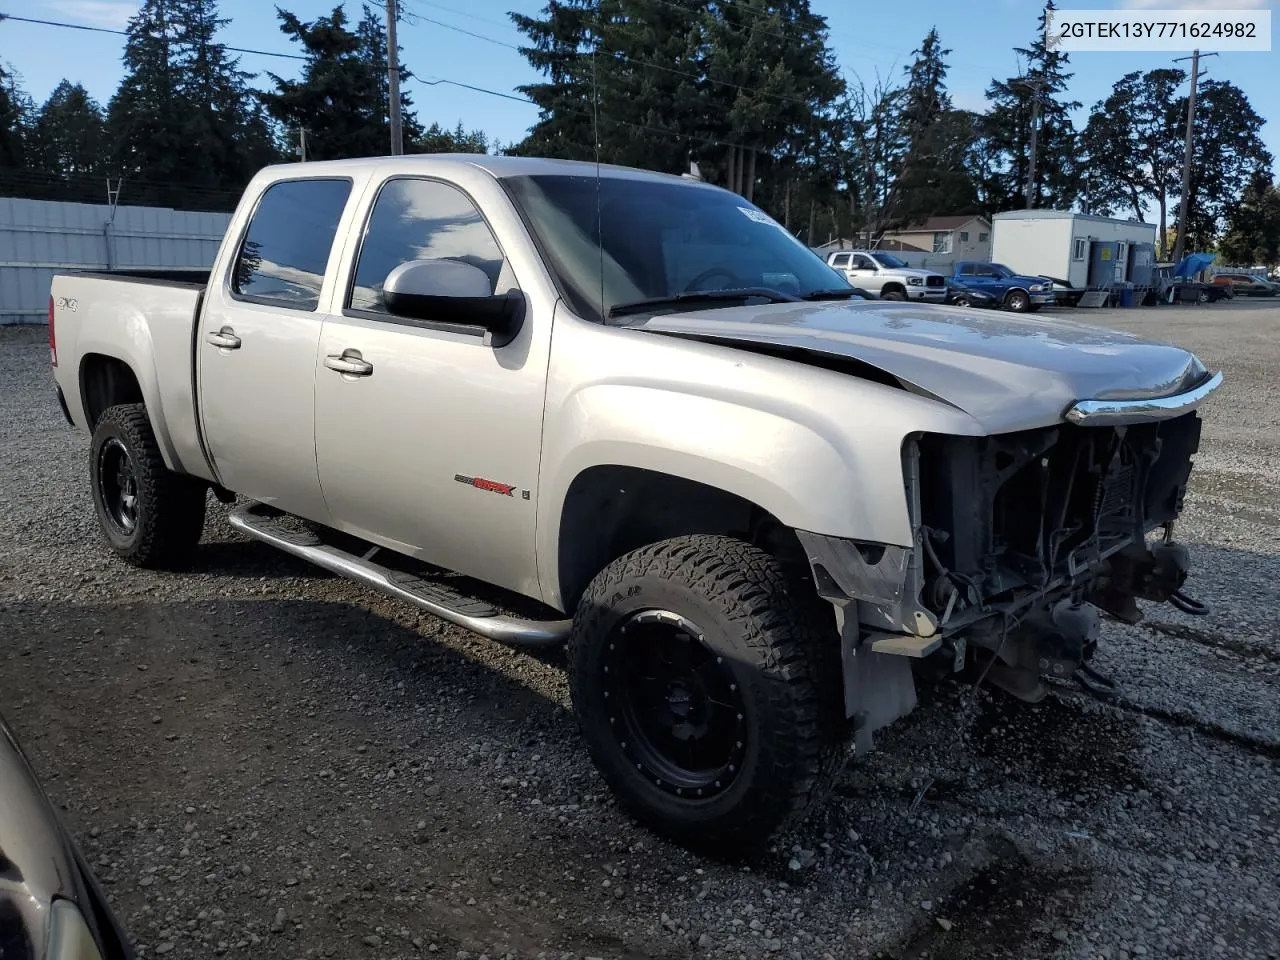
[40, 237]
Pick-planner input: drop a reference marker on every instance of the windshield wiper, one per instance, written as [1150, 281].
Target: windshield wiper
[837, 293]
[733, 295]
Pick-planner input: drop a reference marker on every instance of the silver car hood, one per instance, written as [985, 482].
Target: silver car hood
[1008, 372]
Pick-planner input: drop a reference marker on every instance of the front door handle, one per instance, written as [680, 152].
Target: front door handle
[224, 339]
[349, 364]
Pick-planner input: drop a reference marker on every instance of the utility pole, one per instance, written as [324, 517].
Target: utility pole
[393, 73]
[1184, 201]
[302, 144]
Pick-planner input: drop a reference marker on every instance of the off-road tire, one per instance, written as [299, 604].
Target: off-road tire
[1017, 301]
[893, 295]
[781, 642]
[170, 508]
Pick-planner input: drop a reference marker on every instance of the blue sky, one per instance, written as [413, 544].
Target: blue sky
[869, 37]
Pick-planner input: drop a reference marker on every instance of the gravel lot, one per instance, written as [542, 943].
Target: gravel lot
[263, 760]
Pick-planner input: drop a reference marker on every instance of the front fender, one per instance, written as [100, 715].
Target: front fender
[818, 449]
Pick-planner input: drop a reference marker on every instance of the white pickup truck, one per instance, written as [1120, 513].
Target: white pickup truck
[631, 413]
[888, 277]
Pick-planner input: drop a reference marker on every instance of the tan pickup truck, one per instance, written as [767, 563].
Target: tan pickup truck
[556, 403]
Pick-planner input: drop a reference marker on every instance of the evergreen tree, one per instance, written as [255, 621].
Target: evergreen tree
[436, 139]
[68, 136]
[146, 120]
[372, 32]
[1007, 130]
[1253, 227]
[743, 89]
[340, 100]
[15, 118]
[230, 134]
[933, 178]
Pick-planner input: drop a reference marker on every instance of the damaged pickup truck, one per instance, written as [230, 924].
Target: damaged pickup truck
[560, 403]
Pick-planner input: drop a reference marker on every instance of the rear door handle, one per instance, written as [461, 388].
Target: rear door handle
[349, 364]
[224, 339]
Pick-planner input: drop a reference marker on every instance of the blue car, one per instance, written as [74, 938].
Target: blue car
[1021, 294]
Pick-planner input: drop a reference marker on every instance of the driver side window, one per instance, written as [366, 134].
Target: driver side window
[863, 263]
[420, 220]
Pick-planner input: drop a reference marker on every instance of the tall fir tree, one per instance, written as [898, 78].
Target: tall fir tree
[15, 120]
[933, 178]
[146, 119]
[68, 137]
[1007, 130]
[372, 31]
[341, 98]
[221, 117]
[183, 115]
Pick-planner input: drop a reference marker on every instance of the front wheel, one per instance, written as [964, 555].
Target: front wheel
[893, 295]
[150, 516]
[706, 682]
[1017, 301]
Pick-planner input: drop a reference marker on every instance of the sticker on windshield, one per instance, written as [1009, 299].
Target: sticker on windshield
[759, 216]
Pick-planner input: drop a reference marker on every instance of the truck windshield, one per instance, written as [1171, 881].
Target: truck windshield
[659, 240]
[889, 260]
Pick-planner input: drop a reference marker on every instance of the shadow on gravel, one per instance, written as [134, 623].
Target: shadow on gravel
[251, 559]
[1001, 912]
[1060, 745]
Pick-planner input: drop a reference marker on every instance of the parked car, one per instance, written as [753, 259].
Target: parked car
[426, 374]
[1247, 284]
[963, 295]
[51, 905]
[1064, 293]
[1021, 294]
[889, 277]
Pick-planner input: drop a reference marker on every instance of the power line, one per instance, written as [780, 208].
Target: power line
[646, 64]
[125, 33]
[585, 113]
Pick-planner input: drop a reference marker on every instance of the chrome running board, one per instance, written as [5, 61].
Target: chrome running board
[473, 614]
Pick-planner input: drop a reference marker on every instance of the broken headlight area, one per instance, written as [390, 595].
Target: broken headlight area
[1021, 540]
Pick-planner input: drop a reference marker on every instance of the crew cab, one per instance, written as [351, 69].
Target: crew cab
[888, 277]
[557, 403]
[1021, 294]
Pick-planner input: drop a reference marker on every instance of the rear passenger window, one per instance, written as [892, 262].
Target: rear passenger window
[286, 247]
[421, 220]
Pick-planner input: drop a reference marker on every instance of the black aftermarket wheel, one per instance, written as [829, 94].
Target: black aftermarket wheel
[149, 515]
[707, 686]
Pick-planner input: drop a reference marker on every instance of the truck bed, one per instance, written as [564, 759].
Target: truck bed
[144, 319]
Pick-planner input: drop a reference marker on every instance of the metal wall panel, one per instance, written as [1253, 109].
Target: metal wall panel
[40, 237]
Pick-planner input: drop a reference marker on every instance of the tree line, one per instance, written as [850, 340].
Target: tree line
[186, 127]
[749, 90]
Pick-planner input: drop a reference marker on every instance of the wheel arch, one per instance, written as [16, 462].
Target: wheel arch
[612, 509]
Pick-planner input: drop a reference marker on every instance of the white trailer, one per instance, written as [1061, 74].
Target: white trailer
[1062, 244]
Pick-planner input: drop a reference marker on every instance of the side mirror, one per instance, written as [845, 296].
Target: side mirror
[453, 292]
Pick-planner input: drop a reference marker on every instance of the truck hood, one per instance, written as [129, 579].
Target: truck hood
[913, 272]
[1007, 372]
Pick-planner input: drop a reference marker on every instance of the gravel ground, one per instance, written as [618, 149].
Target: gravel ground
[263, 760]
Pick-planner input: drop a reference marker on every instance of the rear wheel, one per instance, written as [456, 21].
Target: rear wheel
[707, 686]
[1017, 301]
[149, 515]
